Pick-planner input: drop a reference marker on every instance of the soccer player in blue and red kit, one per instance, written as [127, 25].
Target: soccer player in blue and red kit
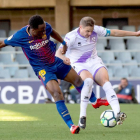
[40, 51]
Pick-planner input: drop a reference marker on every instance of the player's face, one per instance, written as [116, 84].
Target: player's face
[40, 31]
[86, 31]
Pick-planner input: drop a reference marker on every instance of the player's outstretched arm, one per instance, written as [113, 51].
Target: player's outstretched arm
[56, 36]
[60, 55]
[121, 33]
[2, 44]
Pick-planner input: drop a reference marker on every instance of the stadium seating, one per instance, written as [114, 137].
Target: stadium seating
[117, 46]
[100, 46]
[135, 72]
[129, 28]
[12, 69]
[21, 59]
[4, 74]
[1, 66]
[107, 57]
[138, 27]
[6, 58]
[121, 72]
[31, 72]
[115, 41]
[132, 64]
[112, 26]
[2, 33]
[21, 73]
[124, 56]
[118, 64]
[18, 49]
[137, 57]
[11, 32]
[133, 46]
[110, 72]
[8, 48]
[103, 41]
[133, 41]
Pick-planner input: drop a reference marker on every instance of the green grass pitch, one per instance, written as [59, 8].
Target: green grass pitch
[42, 122]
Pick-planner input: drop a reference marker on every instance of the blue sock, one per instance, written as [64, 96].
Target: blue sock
[63, 111]
[92, 98]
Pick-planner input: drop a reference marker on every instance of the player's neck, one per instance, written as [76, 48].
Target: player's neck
[80, 33]
[29, 30]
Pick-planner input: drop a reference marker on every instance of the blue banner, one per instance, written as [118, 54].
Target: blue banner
[33, 92]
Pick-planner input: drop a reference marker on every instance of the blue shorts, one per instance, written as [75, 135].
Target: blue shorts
[57, 70]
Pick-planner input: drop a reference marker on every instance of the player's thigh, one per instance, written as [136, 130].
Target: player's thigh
[53, 87]
[85, 74]
[73, 78]
[101, 76]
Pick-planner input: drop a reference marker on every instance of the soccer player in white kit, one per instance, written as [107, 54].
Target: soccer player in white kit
[82, 55]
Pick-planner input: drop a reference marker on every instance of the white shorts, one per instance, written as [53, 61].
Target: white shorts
[91, 65]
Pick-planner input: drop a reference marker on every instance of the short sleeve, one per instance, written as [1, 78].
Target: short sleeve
[69, 41]
[101, 31]
[48, 29]
[13, 40]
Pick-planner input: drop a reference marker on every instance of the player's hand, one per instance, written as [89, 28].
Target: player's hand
[138, 33]
[66, 61]
[64, 49]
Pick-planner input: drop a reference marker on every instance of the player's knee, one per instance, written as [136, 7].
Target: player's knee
[88, 82]
[57, 96]
[78, 82]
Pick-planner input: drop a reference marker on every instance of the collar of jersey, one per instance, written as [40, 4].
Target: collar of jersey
[79, 36]
[27, 30]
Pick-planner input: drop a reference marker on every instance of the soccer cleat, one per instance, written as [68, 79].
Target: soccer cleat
[82, 122]
[120, 118]
[100, 102]
[74, 129]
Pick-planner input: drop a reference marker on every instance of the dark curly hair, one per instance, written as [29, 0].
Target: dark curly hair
[35, 20]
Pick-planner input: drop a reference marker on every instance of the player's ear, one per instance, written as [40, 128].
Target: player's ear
[80, 26]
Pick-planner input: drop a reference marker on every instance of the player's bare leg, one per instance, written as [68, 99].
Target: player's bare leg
[53, 87]
[102, 79]
[85, 95]
[96, 103]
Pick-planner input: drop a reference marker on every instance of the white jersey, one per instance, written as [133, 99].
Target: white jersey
[80, 48]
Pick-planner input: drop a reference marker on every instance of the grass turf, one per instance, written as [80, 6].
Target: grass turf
[42, 122]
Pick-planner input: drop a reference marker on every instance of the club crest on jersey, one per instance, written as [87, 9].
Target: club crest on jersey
[93, 39]
[44, 37]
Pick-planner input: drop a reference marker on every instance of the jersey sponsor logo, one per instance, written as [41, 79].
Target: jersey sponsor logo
[42, 74]
[39, 45]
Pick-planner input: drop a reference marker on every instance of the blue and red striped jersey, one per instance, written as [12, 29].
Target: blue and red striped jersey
[39, 52]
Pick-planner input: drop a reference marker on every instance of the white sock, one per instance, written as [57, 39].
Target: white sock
[111, 97]
[85, 95]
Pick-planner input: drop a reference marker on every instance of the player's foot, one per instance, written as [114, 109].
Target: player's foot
[82, 122]
[120, 118]
[100, 102]
[74, 129]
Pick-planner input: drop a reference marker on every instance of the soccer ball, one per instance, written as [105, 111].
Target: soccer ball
[108, 118]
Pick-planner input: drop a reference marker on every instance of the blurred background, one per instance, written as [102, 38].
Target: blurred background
[18, 83]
